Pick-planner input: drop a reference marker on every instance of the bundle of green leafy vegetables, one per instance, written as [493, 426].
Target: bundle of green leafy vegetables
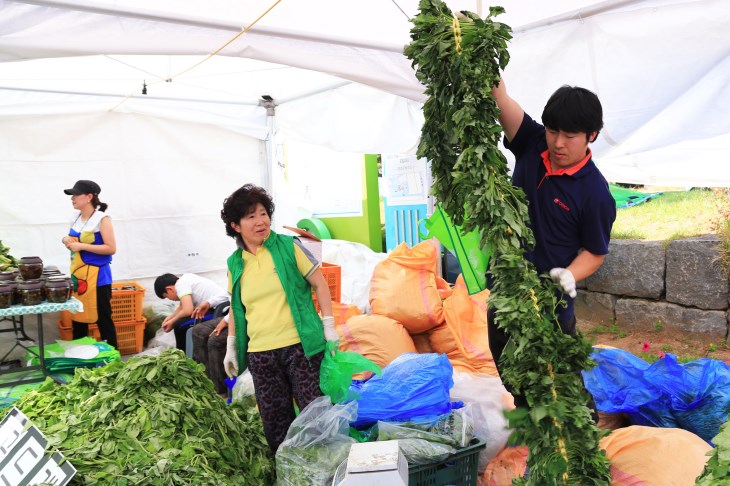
[455, 429]
[153, 420]
[459, 61]
[717, 469]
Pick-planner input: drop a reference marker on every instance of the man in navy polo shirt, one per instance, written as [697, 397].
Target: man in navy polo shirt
[571, 209]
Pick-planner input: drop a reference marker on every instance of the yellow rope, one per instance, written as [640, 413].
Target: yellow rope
[534, 301]
[234, 38]
[561, 440]
[456, 26]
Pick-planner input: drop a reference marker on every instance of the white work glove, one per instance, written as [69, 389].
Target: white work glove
[328, 322]
[230, 362]
[566, 280]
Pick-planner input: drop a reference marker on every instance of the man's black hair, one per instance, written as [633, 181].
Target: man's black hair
[573, 109]
[164, 281]
[241, 202]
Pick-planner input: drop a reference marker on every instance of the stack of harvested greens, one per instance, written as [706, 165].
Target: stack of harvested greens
[717, 469]
[6, 259]
[151, 420]
[459, 60]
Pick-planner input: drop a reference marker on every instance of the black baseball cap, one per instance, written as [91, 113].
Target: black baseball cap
[83, 187]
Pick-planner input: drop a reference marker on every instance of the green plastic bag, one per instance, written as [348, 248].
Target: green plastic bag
[335, 373]
[473, 260]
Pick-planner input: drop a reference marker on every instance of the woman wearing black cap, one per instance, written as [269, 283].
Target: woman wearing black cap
[92, 244]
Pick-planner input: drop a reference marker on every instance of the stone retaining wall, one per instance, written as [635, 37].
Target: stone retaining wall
[645, 283]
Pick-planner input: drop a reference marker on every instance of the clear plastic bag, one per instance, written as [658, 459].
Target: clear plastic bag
[316, 444]
[243, 388]
[455, 429]
[422, 451]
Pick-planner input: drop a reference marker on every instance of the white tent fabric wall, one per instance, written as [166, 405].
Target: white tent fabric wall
[164, 182]
[341, 81]
[662, 72]
[660, 67]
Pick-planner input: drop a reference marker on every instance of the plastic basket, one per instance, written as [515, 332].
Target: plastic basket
[130, 335]
[127, 300]
[459, 469]
[333, 276]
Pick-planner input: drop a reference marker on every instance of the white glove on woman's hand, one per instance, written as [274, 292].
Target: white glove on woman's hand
[328, 322]
[230, 362]
[566, 280]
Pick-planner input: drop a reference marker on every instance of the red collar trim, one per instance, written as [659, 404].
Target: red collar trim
[570, 171]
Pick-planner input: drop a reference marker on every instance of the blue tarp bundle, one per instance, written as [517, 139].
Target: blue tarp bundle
[693, 396]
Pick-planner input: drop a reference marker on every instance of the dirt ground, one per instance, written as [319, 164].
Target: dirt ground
[686, 346]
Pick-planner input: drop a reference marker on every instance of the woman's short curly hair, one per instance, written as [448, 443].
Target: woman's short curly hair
[243, 201]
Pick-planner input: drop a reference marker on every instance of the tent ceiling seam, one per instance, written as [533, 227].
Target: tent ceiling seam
[165, 17]
[111, 95]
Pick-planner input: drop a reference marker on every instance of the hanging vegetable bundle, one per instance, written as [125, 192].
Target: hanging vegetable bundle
[459, 61]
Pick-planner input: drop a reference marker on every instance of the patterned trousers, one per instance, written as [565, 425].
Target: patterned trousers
[278, 375]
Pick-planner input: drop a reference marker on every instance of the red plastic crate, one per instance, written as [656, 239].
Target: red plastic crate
[333, 276]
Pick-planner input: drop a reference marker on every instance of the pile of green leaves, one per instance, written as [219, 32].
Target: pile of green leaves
[717, 469]
[154, 420]
[459, 61]
[6, 259]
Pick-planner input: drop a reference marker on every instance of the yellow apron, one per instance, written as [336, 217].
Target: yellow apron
[85, 278]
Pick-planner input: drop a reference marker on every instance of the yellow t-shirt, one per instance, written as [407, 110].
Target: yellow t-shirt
[269, 321]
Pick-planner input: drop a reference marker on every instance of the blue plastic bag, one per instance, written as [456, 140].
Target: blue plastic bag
[693, 396]
[412, 385]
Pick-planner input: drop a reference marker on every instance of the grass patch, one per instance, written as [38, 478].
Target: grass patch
[675, 214]
[613, 329]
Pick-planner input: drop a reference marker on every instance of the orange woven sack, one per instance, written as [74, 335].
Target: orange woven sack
[480, 298]
[378, 338]
[423, 346]
[343, 312]
[404, 287]
[509, 464]
[654, 455]
[463, 337]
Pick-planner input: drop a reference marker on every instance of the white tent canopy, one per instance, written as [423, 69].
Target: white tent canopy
[71, 102]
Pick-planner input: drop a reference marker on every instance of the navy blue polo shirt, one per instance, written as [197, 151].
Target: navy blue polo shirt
[569, 210]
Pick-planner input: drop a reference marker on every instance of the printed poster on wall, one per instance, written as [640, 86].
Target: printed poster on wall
[406, 179]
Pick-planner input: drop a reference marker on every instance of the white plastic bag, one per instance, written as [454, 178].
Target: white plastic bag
[485, 394]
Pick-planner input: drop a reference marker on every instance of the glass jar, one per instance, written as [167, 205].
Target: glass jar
[14, 288]
[58, 291]
[30, 292]
[31, 268]
[6, 296]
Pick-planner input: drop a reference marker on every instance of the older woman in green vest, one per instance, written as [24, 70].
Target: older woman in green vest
[274, 329]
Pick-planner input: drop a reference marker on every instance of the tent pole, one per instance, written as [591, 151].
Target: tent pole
[268, 102]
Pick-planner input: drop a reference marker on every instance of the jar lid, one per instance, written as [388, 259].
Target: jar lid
[57, 283]
[8, 275]
[6, 289]
[30, 285]
[30, 260]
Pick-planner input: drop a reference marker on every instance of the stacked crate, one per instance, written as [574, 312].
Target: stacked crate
[126, 303]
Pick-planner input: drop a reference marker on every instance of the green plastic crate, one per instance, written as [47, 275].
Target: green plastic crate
[459, 469]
